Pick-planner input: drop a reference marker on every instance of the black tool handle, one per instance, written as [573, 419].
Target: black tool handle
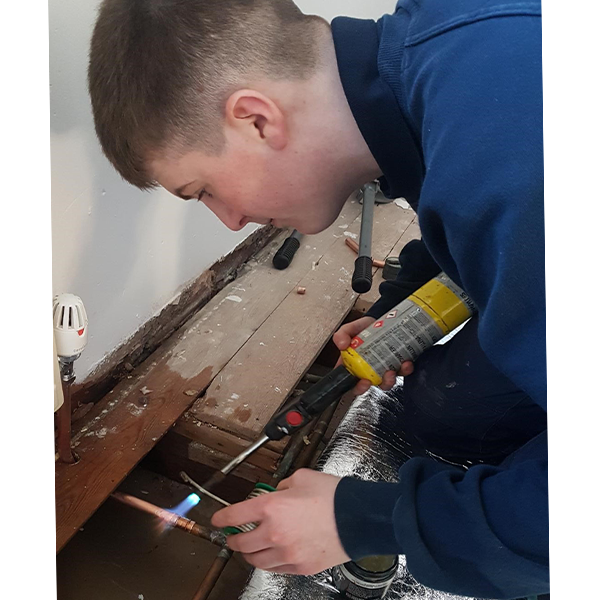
[283, 257]
[311, 404]
[391, 268]
[362, 278]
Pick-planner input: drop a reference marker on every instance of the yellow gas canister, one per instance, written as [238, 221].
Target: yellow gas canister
[409, 329]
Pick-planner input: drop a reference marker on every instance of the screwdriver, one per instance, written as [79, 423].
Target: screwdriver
[295, 415]
[283, 257]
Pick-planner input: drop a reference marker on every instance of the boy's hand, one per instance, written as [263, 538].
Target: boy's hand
[297, 532]
[342, 339]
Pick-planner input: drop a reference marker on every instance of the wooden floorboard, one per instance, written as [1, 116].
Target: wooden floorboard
[259, 378]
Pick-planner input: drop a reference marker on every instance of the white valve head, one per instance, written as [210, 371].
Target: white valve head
[70, 325]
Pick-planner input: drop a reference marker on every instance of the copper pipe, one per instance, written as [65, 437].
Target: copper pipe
[172, 519]
[65, 453]
[213, 574]
[291, 454]
[354, 246]
[309, 453]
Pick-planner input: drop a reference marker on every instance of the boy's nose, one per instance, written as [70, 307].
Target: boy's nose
[230, 218]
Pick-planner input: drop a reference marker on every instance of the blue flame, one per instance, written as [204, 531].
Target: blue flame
[184, 507]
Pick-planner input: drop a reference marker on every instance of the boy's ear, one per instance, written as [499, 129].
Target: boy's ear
[257, 116]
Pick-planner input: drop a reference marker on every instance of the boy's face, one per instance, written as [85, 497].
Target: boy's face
[280, 164]
[254, 184]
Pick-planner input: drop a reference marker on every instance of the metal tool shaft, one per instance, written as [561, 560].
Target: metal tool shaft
[202, 490]
[366, 226]
[362, 278]
[238, 460]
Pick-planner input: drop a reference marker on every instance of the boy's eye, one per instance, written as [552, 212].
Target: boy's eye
[203, 193]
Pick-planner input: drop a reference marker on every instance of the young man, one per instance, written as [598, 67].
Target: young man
[268, 115]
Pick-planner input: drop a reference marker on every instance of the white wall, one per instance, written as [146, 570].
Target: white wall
[363, 9]
[125, 252]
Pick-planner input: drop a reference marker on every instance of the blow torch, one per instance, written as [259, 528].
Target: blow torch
[404, 333]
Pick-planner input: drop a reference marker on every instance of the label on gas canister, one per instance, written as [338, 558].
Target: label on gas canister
[352, 587]
[415, 325]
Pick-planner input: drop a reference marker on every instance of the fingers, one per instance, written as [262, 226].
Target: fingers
[342, 339]
[389, 380]
[285, 570]
[268, 560]
[248, 511]
[344, 335]
[297, 532]
[362, 387]
[249, 543]
[407, 368]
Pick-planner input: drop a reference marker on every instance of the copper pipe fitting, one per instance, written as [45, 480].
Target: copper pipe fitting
[213, 574]
[63, 415]
[212, 535]
[379, 264]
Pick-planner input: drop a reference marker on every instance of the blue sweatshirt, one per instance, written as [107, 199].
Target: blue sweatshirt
[448, 96]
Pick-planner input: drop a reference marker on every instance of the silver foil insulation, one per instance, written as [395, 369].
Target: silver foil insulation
[369, 444]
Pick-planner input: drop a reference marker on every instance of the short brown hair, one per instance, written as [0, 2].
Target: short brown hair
[160, 71]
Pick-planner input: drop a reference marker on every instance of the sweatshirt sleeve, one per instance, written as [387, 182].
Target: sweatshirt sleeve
[417, 268]
[481, 532]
